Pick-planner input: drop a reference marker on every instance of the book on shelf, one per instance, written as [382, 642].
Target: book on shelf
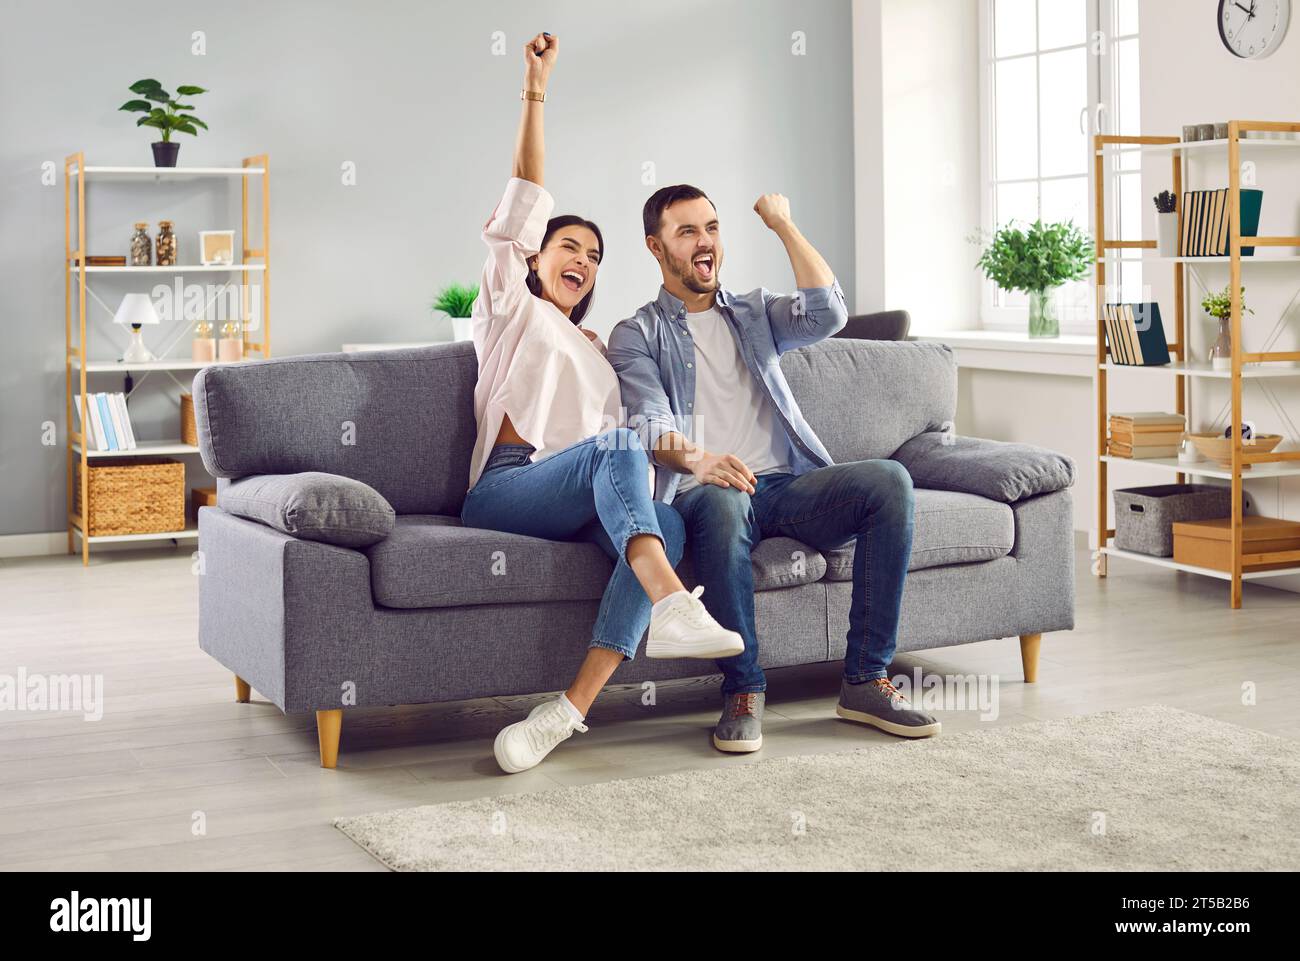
[1150, 438]
[1207, 221]
[1141, 453]
[109, 426]
[106, 418]
[1148, 420]
[1135, 334]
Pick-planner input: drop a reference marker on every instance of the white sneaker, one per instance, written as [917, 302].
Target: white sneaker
[686, 629]
[526, 743]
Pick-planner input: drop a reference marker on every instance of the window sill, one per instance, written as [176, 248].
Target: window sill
[1070, 355]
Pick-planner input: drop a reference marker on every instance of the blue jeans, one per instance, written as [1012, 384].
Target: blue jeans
[869, 502]
[597, 490]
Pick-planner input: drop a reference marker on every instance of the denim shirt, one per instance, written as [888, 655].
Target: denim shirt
[654, 357]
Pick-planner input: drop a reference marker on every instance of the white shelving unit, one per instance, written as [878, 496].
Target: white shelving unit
[253, 261]
[1258, 367]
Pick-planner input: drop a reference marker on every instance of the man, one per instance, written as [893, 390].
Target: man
[700, 378]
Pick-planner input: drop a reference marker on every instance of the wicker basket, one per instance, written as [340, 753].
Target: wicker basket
[189, 432]
[135, 495]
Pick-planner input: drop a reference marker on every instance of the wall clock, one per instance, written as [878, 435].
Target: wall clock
[1253, 29]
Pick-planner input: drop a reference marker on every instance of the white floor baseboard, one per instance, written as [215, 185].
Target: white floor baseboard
[50, 543]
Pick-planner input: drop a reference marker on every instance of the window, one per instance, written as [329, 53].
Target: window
[1053, 73]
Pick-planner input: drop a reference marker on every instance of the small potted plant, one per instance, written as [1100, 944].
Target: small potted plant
[457, 302]
[1038, 260]
[1166, 223]
[1219, 306]
[172, 116]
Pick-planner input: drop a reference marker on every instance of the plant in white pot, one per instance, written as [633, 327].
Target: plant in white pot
[1038, 260]
[1166, 224]
[457, 302]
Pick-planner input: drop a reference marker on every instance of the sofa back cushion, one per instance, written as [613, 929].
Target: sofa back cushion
[401, 421]
[866, 398]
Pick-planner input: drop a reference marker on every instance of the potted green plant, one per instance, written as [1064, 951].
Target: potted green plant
[1038, 260]
[457, 302]
[1219, 306]
[1166, 223]
[171, 117]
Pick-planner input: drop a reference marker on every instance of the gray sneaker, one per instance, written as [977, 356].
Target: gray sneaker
[880, 704]
[740, 729]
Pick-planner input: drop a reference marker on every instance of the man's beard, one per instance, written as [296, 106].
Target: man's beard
[686, 274]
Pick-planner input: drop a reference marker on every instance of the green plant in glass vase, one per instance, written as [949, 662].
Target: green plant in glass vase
[1218, 305]
[1038, 259]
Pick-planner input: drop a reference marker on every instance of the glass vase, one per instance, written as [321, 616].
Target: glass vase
[1221, 350]
[1043, 321]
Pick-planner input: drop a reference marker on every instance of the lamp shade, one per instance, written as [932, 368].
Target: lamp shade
[136, 309]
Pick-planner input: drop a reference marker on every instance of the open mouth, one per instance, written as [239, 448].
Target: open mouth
[703, 265]
[573, 280]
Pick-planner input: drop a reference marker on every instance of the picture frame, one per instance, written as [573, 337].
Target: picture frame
[216, 247]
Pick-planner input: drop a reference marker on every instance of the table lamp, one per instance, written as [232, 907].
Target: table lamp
[136, 310]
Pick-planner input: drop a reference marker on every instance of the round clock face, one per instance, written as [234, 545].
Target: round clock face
[1253, 28]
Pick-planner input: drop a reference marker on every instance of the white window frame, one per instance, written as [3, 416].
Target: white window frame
[1099, 115]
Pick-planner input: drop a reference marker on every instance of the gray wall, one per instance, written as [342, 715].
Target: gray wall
[413, 94]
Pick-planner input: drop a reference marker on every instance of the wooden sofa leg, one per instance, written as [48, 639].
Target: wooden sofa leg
[1029, 644]
[329, 724]
[242, 690]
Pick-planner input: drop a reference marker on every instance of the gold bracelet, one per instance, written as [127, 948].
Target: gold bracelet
[533, 95]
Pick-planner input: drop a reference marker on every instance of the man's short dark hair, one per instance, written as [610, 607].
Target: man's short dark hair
[652, 214]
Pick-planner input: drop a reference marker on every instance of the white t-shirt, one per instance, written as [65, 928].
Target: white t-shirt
[732, 415]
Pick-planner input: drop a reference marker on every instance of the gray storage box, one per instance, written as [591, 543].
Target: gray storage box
[1145, 516]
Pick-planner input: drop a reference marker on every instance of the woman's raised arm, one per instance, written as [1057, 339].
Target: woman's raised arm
[530, 146]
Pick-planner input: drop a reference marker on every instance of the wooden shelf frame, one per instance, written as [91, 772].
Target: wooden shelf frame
[253, 261]
[1106, 145]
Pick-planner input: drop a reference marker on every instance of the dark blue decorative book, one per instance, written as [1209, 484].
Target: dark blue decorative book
[1135, 334]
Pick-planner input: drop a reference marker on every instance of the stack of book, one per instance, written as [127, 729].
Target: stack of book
[110, 423]
[1145, 434]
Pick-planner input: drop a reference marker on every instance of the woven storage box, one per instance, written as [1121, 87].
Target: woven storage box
[189, 433]
[135, 495]
[1145, 516]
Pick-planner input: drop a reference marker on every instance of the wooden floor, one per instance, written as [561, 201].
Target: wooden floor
[174, 750]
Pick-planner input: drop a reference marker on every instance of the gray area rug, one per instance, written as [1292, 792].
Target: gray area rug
[1150, 788]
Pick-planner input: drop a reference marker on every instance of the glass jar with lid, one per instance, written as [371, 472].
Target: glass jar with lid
[141, 246]
[166, 246]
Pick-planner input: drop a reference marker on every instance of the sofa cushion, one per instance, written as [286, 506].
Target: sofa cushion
[777, 562]
[311, 505]
[431, 560]
[865, 398]
[1001, 471]
[951, 528]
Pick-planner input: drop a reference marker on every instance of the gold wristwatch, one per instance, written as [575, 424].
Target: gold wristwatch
[532, 95]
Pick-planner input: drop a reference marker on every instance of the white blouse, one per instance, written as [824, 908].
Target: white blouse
[534, 364]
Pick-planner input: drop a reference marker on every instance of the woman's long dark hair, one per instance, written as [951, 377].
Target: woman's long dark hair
[558, 223]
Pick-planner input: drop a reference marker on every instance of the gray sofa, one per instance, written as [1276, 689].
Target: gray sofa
[437, 612]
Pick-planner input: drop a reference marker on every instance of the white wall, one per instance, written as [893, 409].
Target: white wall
[868, 159]
[930, 122]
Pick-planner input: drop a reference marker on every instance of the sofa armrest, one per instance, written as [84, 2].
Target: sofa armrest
[291, 617]
[312, 506]
[993, 469]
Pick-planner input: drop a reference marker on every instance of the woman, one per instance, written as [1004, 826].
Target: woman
[547, 463]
